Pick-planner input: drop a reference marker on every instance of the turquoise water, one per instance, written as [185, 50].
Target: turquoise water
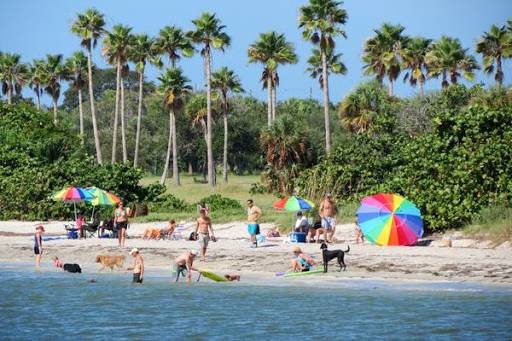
[51, 305]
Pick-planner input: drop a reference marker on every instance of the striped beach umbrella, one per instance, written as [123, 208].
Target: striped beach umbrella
[102, 198]
[389, 219]
[72, 194]
[293, 204]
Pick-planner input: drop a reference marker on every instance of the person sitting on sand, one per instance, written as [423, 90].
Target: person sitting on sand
[312, 231]
[274, 232]
[38, 244]
[184, 263]
[204, 232]
[302, 223]
[107, 224]
[302, 262]
[137, 267]
[79, 223]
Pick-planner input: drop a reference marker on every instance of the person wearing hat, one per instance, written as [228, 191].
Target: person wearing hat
[302, 262]
[38, 244]
[302, 223]
[138, 266]
[184, 263]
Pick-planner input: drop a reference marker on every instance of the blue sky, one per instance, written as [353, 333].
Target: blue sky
[34, 28]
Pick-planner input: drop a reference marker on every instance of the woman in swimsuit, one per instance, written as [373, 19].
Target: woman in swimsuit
[38, 244]
[121, 221]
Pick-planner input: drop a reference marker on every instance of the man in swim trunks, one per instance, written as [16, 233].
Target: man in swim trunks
[38, 244]
[302, 262]
[137, 267]
[253, 216]
[204, 232]
[327, 211]
[184, 263]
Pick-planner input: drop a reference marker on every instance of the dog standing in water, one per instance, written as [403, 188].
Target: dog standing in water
[329, 255]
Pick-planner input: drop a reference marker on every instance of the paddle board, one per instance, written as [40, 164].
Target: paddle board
[212, 276]
[296, 274]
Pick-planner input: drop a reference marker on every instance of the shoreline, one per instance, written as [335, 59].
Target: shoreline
[467, 261]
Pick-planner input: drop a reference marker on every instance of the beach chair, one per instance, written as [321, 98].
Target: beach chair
[71, 231]
[177, 234]
[90, 229]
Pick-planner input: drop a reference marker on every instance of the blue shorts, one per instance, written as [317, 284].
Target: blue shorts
[253, 229]
[328, 223]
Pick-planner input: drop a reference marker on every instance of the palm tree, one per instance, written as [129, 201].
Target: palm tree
[413, 56]
[320, 21]
[54, 72]
[174, 86]
[225, 81]
[115, 48]
[271, 49]
[209, 33]
[76, 67]
[35, 79]
[447, 58]
[13, 74]
[89, 26]
[334, 65]
[495, 46]
[141, 50]
[174, 42]
[382, 53]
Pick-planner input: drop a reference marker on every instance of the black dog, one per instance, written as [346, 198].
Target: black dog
[74, 268]
[328, 255]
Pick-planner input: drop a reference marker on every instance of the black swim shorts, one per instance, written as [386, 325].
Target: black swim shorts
[36, 250]
[137, 279]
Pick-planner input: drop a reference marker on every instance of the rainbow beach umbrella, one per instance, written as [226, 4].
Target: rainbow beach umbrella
[72, 194]
[102, 198]
[293, 204]
[389, 219]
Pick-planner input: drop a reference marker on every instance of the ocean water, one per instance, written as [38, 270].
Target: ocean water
[50, 305]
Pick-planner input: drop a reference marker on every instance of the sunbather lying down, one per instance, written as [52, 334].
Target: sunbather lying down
[156, 233]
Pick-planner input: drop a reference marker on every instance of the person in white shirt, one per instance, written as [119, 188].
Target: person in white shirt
[302, 223]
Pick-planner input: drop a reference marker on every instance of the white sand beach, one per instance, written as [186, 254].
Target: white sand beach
[466, 260]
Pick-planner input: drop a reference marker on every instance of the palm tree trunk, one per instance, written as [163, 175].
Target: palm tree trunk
[81, 111]
[123, 131]
[211, 179]
[444, 82]
[168, 155]
[269, 105]
[116, 110]
[274, 100]
[55, 120]
[175, 170]
[93, 109]
[9, 96]
[139, 119]
[38, 95]
[499, 72]
[225, 158]
[390, 88]
[420, 86]
[190, 168]
[325, 88]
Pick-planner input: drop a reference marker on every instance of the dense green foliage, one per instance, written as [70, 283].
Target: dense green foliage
[37, 159]
[462, 164]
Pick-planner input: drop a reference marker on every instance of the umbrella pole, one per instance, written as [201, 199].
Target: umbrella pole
[92, 216]
[74, 205]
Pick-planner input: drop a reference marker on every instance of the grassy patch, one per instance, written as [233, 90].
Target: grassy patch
[493, 223]
[237, 188]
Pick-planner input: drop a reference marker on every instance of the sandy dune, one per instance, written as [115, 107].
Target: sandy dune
[467, 260]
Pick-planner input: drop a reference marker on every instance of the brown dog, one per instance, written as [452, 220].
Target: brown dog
[232, 278]
[110, 261]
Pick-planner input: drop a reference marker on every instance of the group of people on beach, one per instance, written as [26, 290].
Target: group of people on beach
[204, 233]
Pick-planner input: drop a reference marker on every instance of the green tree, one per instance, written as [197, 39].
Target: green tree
[141, 50]
[13, 74]
[174, 86]
[271, 49]
[209, 33]
[115, 48]
[447, 58]
[173, 42]
[495, 46]
[381, 53]
[89, 26]
[76, 69]
[35, 79]
[334, 65]
[225, 81]
[320, 21]
[413, 57]
[54, 72]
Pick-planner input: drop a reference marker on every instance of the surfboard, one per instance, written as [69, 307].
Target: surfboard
[297, 274]
[212, 276]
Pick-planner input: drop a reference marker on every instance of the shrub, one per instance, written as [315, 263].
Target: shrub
[218, 202]
[167, 202]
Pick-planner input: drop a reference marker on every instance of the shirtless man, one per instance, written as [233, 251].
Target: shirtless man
[204, 232]
[184, 263]
[253, 217]
[327, 211]
[137, 267]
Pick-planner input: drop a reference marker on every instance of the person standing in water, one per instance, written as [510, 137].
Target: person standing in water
[328, 211]
[38, 244]
[204, 232]
[253, 216]
[121, 222]
[184, 263]
[137, 267]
